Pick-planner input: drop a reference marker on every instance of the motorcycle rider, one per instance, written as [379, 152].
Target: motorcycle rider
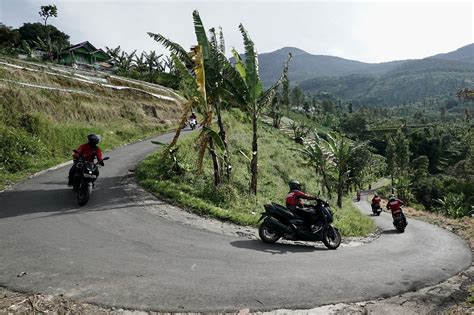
[193, 116]
[376, 200]
[294, 202]
[395, 205]
[89, 151]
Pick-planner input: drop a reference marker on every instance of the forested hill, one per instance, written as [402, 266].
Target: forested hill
[389, 83]
[464, 54]
[306, 66]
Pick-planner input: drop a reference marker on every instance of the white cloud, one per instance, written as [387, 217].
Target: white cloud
[368, 31]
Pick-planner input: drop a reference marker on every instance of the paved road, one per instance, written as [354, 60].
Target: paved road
[116, 253]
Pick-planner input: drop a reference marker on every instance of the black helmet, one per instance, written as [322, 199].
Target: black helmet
[294, 185]
[93, 139]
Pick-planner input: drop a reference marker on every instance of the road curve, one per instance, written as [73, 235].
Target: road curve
[117, 253]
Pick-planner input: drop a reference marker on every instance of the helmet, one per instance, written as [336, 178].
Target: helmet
[375, 194]
[392, 198]
[294, 185]
[93, 139]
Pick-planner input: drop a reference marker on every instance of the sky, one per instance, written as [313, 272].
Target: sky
[374, 31]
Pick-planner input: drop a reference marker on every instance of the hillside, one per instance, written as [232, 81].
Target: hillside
[231, 200]
[46, 111]
[463, 54]
[389, 83]
[411, 81]
[307, 66]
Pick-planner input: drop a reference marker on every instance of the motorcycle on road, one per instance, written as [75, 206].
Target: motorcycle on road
[376, 209]
[192, 123]
[279, 222]
[399, 220]
[84, 178]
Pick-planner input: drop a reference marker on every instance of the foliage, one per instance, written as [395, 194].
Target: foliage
[452, 205]
[232, 201]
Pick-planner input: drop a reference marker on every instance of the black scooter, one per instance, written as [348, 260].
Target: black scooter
[399, 221]
[84, 178]
[376, 209]
[279, 222]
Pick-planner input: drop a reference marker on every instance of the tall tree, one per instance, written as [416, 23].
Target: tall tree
[250, 93]
[341, 150]
[46, 12]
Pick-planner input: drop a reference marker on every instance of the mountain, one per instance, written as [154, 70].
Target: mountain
[388, 83]
[307, 66]
[463, 54]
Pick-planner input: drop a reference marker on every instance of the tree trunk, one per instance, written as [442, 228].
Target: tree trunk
[215, 163]
[339, 190]
[254, 162]
[181, 124]
[222, 135]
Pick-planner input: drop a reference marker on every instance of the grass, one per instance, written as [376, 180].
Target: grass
[39, 128]
[278, 163]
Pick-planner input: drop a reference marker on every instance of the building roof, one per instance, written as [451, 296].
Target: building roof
[90, 49]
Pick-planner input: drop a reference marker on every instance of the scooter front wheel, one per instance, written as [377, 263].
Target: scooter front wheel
[332, 237]
[83, 194]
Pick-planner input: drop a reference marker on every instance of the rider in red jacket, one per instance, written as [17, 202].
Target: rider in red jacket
[376, 200]
[89, 151]
[395, 205]
[294, 202]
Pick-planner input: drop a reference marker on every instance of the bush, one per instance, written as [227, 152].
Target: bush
[17, 149]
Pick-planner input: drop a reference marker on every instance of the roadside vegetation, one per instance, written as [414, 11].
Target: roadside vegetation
[232, 201]
[39, 127]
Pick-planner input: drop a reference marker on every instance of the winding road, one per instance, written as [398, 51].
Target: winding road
[116, 252]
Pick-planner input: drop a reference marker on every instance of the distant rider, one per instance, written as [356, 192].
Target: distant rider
[376, 200]
[89, 151]
[294, 202]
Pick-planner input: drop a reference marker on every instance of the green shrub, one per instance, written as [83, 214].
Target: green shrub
[18, 149]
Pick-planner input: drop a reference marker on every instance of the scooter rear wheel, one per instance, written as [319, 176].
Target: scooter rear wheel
[267, 235]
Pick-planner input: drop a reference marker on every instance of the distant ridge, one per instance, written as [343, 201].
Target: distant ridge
[306, 66]
[386, 83]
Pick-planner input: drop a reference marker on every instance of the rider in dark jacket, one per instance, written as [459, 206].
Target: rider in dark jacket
[294, 202]
[89, 151]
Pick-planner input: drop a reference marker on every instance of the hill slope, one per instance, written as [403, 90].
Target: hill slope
[45, 112]
[404, 81]
[307, 66]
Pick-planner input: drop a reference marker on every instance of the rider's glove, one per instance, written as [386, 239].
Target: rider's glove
[101, 163]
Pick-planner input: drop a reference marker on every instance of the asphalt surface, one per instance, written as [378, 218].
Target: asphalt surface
[114, 252]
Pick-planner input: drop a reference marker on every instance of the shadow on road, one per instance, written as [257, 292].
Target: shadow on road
[56, 198]
[394, 231]
[275, 248]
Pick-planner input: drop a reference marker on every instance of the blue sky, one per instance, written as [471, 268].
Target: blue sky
[367, 31]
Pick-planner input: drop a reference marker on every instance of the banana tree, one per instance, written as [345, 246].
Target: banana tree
[194, 89]
[318, 157]
[216, 68]
[341, 150]
[248, 91]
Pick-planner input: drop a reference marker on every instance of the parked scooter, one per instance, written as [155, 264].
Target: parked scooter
[279, 222]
